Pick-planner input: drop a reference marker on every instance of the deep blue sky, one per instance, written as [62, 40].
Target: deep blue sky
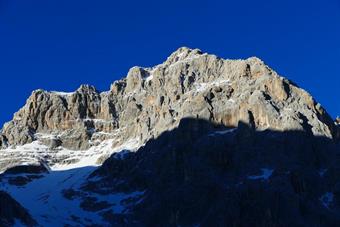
[60, 44]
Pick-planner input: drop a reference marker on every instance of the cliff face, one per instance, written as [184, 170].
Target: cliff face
[150, 101]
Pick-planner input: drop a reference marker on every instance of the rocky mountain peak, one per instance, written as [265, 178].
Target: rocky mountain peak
[149, 101]
[183, 53]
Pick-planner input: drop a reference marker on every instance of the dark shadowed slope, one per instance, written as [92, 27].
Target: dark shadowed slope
[203, 174]
[11, 212]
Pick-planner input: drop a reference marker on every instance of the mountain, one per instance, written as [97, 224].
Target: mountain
[195, 141]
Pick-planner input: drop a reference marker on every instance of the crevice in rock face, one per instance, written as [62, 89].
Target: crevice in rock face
[305, 124]
[113, 111]
[139, 107]
[286, 88]
[208, 99]
[191, 79]
[211, 116]
[171, 111]
[3, 141]
[89, 125]
[247, 71]
[266, 96]
[182, 79]
[161, 100]
[65, 104]
[31, 132]
[269, 99]
[251, 119]
[161, 81]
[148, 123]
[82, 110]
[275, 107]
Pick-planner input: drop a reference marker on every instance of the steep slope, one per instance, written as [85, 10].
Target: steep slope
[194, 125]
[11, 212]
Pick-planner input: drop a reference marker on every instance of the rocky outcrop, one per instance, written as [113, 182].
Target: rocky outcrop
[11, 212]
[150, 101]
[28, 169]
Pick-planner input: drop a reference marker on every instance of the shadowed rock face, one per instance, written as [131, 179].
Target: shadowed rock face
[150, 101]
[12, 212]
[208, 175]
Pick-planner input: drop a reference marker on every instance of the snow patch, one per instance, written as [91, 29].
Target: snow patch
[223, 132]
[186, 59]
[200, 87]
[60, 93]
[180, 55]
[90, 157]
[326, 199]
[18, 223]
[150, 77]
[322, 172]
[45, 136]
[121, 155]
[97, 120]
[61, 158]
[44, 198]
[266, 174]
[118, 200]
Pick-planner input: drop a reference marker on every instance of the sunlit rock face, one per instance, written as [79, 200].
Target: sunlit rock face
[151, 100]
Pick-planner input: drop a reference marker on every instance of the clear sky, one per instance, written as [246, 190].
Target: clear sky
[60, 44]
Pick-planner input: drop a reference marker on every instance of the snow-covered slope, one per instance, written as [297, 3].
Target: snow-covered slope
[44, 197]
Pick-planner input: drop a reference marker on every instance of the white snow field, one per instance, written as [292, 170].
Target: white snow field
[43, 197]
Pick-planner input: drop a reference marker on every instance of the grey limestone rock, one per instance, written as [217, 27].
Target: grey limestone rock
[150, 101]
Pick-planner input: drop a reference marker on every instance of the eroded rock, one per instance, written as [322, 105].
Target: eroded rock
[150, 101]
